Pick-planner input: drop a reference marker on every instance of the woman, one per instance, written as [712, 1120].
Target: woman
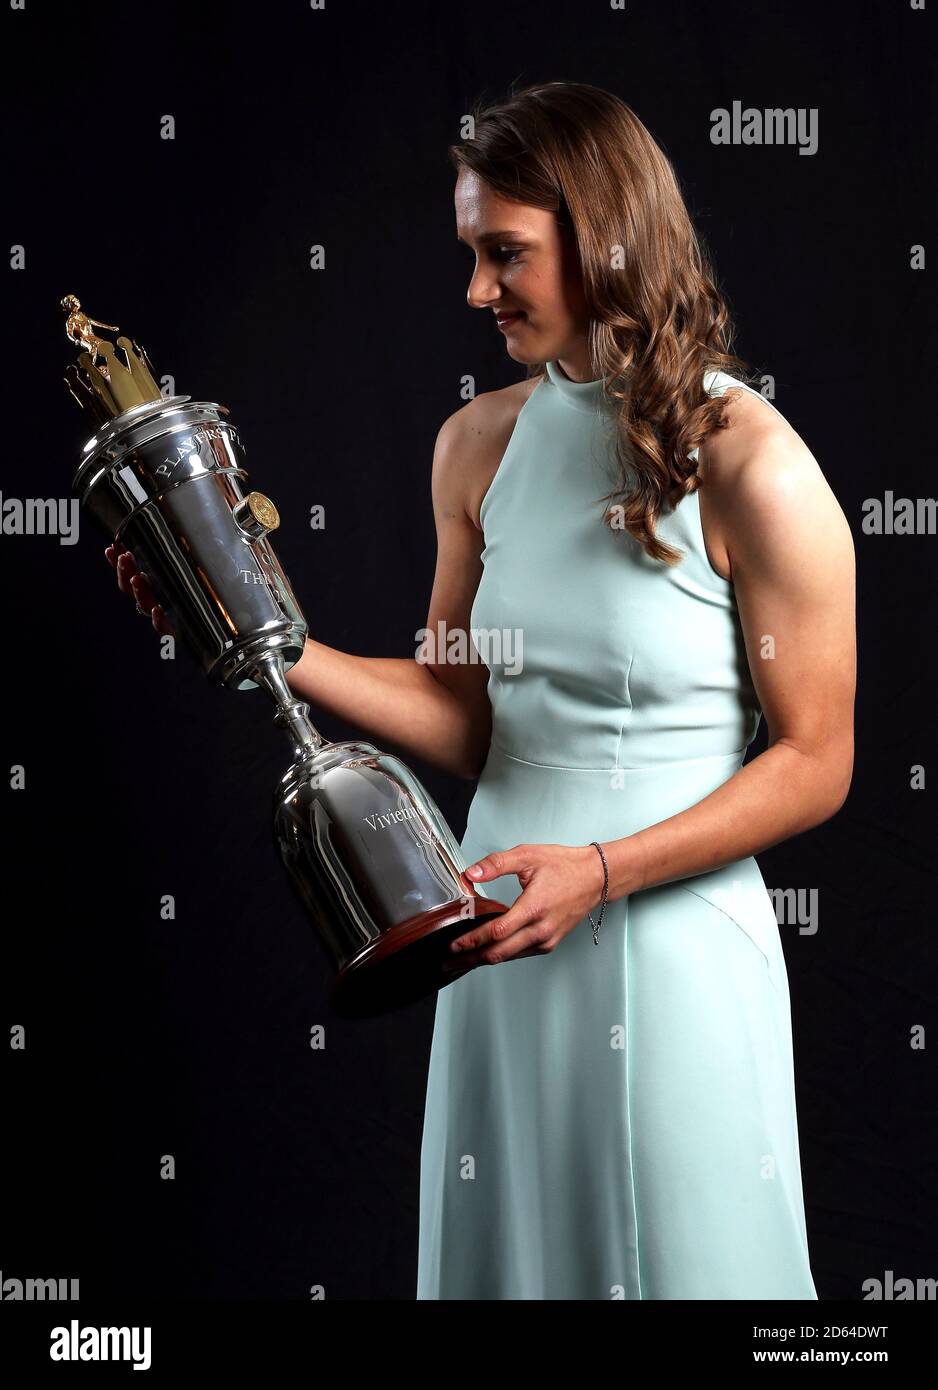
[662, 562]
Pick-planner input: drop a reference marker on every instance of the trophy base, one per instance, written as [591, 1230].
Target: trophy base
[405, 963]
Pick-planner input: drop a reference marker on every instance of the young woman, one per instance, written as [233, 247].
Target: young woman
[610, 1105]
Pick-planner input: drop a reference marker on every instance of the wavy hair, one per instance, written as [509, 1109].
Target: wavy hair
[657, 320]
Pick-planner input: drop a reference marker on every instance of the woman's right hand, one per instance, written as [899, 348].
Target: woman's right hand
[134, 582]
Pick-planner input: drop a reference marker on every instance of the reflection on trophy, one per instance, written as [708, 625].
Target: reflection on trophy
[366, 849]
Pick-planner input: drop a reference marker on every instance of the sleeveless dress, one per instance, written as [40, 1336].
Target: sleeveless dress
[615, 1121]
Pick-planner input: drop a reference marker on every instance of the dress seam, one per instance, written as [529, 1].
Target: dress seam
[617, 767]
[627, 701]
[737, 924]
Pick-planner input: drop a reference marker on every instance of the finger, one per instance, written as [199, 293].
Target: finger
[531, 941]
[540, 948]
[526, 941]
[143, 591]
[126, 569]
[160, 621]
[492, 932]
[110, 552]
[499, 862]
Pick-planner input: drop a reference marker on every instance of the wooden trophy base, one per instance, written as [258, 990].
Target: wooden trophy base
[404, 964]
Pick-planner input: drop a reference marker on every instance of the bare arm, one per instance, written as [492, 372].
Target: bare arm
[792, 561]
[436, 710]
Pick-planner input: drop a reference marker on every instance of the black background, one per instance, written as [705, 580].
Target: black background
[293, 128]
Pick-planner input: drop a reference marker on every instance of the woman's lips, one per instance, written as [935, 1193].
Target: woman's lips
[510, 319]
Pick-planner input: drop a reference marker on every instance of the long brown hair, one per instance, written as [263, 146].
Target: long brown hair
[657, 320]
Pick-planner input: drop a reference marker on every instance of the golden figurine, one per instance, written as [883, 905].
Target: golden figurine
[79, 326]
[106, 386]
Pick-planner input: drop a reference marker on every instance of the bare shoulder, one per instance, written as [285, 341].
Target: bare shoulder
[472, 441]
[761, 486]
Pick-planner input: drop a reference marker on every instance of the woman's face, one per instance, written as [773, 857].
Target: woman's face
[524, 265]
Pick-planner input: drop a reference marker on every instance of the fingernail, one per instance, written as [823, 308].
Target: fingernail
[474, 872]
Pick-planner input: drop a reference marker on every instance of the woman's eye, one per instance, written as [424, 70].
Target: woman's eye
[500, 253]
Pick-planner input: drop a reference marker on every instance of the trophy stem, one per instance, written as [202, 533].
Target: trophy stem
[292, 714]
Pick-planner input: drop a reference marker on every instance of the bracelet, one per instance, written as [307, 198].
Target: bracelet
[602, 909]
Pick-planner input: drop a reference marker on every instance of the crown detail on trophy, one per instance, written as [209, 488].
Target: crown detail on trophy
[101, 383]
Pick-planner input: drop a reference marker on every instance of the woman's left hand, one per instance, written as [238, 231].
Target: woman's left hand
[560, 883]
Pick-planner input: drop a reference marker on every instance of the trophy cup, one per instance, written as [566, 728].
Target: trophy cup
[367, 851]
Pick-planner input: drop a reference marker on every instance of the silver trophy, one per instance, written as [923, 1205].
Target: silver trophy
[366, 849]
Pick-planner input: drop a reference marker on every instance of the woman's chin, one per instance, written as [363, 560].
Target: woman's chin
[521, 353]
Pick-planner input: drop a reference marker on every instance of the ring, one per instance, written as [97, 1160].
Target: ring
[142, 611]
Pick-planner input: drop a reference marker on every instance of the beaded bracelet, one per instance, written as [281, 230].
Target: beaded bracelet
[602, 909]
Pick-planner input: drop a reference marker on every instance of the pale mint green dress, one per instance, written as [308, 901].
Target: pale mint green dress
[611, 1121]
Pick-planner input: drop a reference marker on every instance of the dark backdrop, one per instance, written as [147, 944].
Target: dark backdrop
[296, 127]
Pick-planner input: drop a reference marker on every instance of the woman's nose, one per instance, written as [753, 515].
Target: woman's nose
[482, 291]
